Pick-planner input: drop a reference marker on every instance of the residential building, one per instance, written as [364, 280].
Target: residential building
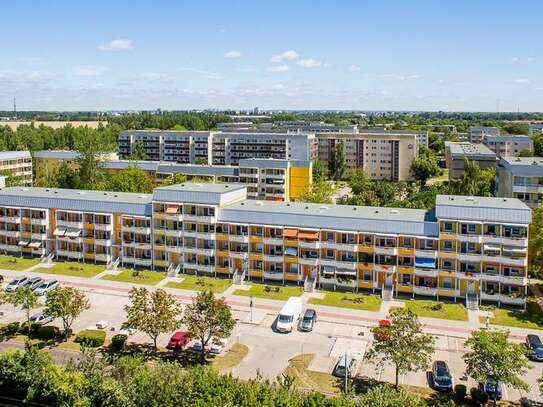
[536, 127]
[521, 178]
[17, 164]
[467, 248]
[457, 152]
[382, 155]
[510, 145]
[477, 133]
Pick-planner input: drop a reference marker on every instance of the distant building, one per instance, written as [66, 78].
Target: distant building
[536, 128]
[456, 153]
[18, 164]
[522, 178]
[510, 145]
[477, 133]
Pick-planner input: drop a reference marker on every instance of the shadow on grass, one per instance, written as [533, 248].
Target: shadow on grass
[146, 351]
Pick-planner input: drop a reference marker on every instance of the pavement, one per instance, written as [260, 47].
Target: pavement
[337, 330]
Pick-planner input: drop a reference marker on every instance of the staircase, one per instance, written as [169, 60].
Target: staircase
[387, 293]
[472, 301]
[114, 264]
[173, 270]
[309, 284]
[238, 278]
[47, 258]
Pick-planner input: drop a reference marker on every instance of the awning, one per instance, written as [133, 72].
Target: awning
[172, 209]
[291, 233]
[35, 245]
[515, 250]
[308, 235]
[346, 272]
[59, 232]
[23, 243]
[425, 262]
[73, 232]
[291, 251]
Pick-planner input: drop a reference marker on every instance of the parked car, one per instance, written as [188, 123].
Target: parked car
[217, 345]
[46, 286]
[308, 320]
[441, 376]
[41, 318]
[15, 283]
[32, 282]
[535, 347]
[493, 388]
[289, 314]
[178, 341]
[345, 362]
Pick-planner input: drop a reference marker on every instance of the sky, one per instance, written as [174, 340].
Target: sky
[461, 55]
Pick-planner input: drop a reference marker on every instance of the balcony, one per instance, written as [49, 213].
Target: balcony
[468, 275]
[489, 297]
[70, 224]
[102, 242]
[174, 233]
[176, 249]
[327, 280]
[10, 219]
[142, 262]
[384, 268]
[448, 292]
[469, 238]
[389, 251]
[309, 245]
[239, 238]
[273, 258]
[534, 188]
[137, 245]
[172, 216]
[276, 241]
[10, 247]
[420, 290]
[38, 221]
[515, 280]
[103, 226]
[309, 261]
[70, 254]
[489, 277]
[10, 233]
[426, 272]
[472, 257]
[106, 258]
[432, 254]
[238, 255]
[273, 275]
[201, 219]
[142, 230]
[38, 236]
[202, 268]
[511, 241]
[512, 300]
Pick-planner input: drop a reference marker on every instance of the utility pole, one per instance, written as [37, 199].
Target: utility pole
[346, 373]
[15, 108]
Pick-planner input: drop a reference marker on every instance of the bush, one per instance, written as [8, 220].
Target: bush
[47, 332]
[478, 395]
[91, 337]
[23, 328]
[11, 329]
[460, 392]
[118, 341]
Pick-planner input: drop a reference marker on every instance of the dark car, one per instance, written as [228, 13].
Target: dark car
[178, 341]
[441, 376]
[308, 321]
[492, 388]
[535, 347]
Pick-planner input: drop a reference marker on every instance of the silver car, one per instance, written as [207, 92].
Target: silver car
[46, 286]
[41, 318]
[16, 283]
[32, 282]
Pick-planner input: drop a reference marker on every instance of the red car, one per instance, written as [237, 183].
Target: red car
[178, 341]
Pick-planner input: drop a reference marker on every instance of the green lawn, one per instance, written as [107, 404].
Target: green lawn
[434, 309]
[533, 318]
[349, 300]
[201, 283]
[17, 263]
[271, 292]
[232, 358]
[73, 269]
[137, 277]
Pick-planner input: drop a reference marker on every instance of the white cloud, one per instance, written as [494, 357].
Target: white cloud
[85, 70]
[289, 55]
[353, 68]
[279, 68]
[400, 77]
[205, 74]
[278, 86]
[116, 45]
[521, 80]
[309, 63]
[515, 59]
[233, 54]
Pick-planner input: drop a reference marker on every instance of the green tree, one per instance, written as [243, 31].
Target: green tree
[386, 396]
[138, 153]
[153, 312]
[337, 166]
[25, 298]
[201, 161]
[425, 165]
[63, 177]
[320, 192]
[538, 144]
[90, 172]
[525, 153]
[492, 355]
[402, 343]
[208, 318]
[535, 243]
[11, 179]
[359, 182]
[174, 179]
[319, 172]
[516, 128]
[474, 181]
[66, 303]
[131, 179]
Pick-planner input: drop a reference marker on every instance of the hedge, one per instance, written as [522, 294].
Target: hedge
[118, 342]
[47, 332]
[91, 337]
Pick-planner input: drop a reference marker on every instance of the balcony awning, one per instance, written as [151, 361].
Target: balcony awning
[515, 250]
[291, 233]
[73, 232]
[425, 262]
[23, 243]
[172, 209]
[59, 232]
[308, 235]
[35, 245]
[345, 272]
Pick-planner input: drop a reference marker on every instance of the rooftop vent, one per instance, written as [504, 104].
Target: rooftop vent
[324, 207]
[376, 211]
[142, 196]
[394, 211]
[80, 192]
[470, 198]
[307, 207]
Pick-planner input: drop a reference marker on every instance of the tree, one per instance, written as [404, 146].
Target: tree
[386, 396]
[90, 173]
[201, 161]
[11, 179]
[516, 128]
[474, 181]
[63, 177]
[131, 179]
[538, 144]
[492, 355]
[174, 179]
[319, 172]
[402, 343]
[25, 298]
[207, 318]
[425, 165]
[525, 153]
[535, 244]
[359, 182]
[153, 312]
[66, 303]
[320, 192]
[337, 166]
[138, 153]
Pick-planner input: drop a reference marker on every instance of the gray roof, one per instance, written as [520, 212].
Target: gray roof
[123, 164]
[209, 193]
[10, 155]
[60, 154]
[196, 169]
[77, 200]
[272, 163]
[470, 150]
[511, 137]
[343, 217]
[523, 166]
[483, 209]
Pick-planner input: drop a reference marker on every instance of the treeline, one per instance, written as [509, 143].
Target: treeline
[170, 121]
[31, 376]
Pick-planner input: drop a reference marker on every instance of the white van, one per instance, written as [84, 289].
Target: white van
[289, 315]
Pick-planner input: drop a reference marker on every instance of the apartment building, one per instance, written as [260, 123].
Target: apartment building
[457, 152]
[521, 178]
[477, 133]
[222, 148]
[382, 155]
[296, 126]
[509, 146]
[536, 127]
[468, 248]
[18, 164]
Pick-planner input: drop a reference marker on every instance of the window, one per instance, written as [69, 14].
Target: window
[447, 227]
[447, 264]
[448, 245]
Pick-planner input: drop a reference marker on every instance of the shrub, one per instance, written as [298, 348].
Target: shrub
[23, 328]
[478, 395]
[118, 341]
[460, 392]
[91, 337]
[11, 329]
[47, 332]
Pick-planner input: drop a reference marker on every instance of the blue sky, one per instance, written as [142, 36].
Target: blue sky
[372, 55]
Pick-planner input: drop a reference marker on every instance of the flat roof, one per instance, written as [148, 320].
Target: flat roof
[7, 155]
[513, 161]
[522, 166]
[123, 164]
[481, 201]
[466, 149]
[201, 193]
[509, 137]
[61, 154]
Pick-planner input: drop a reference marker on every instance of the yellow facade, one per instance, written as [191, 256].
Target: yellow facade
[298, 180]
